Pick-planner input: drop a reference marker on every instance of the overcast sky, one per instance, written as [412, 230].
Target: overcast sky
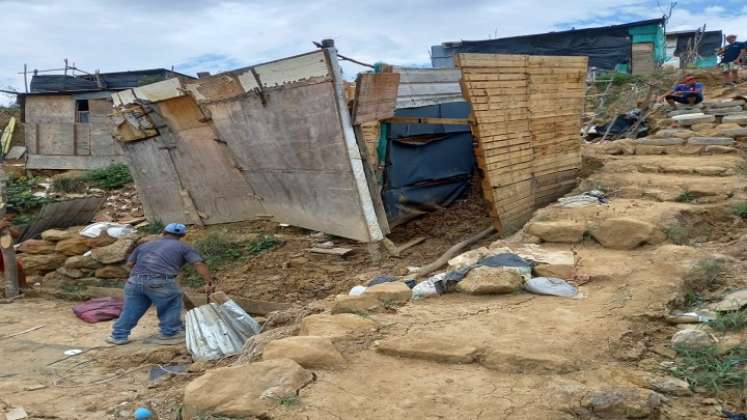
[215, 35]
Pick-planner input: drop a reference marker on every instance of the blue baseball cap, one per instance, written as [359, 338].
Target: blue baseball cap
[176, 229]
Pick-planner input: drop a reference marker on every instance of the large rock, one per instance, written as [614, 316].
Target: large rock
[704, 129]
[658, 141]
[363, 304]
[559, 271]
[623, 403]
[723, 104]
[734, 132]
[114, 253]
[444, 350]
[469, 258]
[56, 235]
[490, 281]
[82, 261]
[73, 273]
[710, 170]
[336, 326]
[394, 292]
[562, 231]
[112, 272]
[644, 149]
[690, 119]
[685, 111]
[618, 147]
[623, 233]
[718, 141]
[740, 118]
[77, 245]
[308, 351]
[249, 390]
[100, 241]
[36, 264]
[719, 150]
[725, 110]
[692, 339]
[673, 133]
[35, 246]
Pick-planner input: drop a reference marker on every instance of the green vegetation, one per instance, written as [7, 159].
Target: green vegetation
[677, 234]
[21, 194]
[153, 227]
[109, 178]
[729, 321]
[740, 210]
[219, 249]
[711, 369]
[685, 197]
[703, 276]
[69, 185]
[693, 299]
[287, 400]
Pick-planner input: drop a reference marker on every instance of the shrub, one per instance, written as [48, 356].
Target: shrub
[729, 321]
[153, 227]
[712, 370]
[685, 197]
[21, 195]
[112, 177]
[740, 210]
[69, 185]
[677, 234]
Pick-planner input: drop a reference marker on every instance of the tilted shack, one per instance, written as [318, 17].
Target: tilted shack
[66, 118]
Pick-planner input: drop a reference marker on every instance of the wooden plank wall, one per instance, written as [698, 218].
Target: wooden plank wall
[526, 113]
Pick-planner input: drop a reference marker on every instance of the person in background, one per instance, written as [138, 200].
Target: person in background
[155, 265]
[731, 57]
[7, 223]
[689, 92]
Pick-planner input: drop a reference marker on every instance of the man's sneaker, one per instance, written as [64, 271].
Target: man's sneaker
[177, 338]
[117, 341]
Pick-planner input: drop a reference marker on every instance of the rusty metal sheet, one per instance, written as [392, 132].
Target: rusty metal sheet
[63, 214]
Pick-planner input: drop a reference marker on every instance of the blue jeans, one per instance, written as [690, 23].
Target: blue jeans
[142, 291]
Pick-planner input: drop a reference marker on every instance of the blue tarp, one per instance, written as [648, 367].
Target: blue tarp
[427, 166]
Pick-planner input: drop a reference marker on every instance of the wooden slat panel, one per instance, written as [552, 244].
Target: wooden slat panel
[526, 112]
[375, 96]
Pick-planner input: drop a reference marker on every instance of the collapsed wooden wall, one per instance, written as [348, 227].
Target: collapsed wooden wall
[55, 141]
[526, 113]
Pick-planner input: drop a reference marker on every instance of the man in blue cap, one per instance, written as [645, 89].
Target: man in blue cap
[155, 265]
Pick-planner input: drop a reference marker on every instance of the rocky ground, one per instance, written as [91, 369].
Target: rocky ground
[668, 240]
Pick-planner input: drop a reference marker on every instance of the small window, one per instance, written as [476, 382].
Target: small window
[81, 111]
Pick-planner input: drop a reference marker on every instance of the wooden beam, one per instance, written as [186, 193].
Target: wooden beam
[428, 120]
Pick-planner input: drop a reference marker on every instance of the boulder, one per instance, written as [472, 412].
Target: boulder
[114, 253]
[685, 111]
[394, 292]
[623, 403]
[73, 273]
[56, 235]
[469, 258]
[710, 170]
[112, 272]
[362, 304]
[445, 350]
[82, 261]
[690, 119]
[73, 246]
[692, 339]
[308, 351]
[723, 104]
[35, 264]
[718, 141]
[101, 241]
[618, 147]
[490, 281]
[669, 385]
[733, 132]
[740, 118]
[336, 326]
[724, 110]
[719, 150]
[704, 129]
[249, 390]
[35, 246]
[53, 280]
[658, 141]
[623, 233]
[644, 149]
[558, 271]
[673, 133]
[561, 231]
[678, 169]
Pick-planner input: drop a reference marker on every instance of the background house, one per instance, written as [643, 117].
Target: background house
[66, 118]
[681, 51]
[635, 47]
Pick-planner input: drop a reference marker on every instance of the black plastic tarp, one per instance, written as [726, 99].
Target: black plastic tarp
[606, 46]
[427, 166]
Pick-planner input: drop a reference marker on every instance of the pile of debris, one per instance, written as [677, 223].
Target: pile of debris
[79, 260]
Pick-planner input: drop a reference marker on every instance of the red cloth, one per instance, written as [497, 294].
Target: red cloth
[21, 275]
[99, 309]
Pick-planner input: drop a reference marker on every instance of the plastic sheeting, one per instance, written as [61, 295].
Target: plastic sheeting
[427, 166]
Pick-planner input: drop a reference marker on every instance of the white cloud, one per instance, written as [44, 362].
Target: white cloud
[216, 35]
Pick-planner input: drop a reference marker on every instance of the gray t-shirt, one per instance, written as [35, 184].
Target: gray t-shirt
[162, 257]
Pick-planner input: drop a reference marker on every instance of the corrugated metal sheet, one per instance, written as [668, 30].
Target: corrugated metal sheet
[423, 87]
[217, 331]
[63, 214]
[119, 80]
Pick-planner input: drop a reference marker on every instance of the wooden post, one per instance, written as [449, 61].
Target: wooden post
[12, 289]
[25, 77]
